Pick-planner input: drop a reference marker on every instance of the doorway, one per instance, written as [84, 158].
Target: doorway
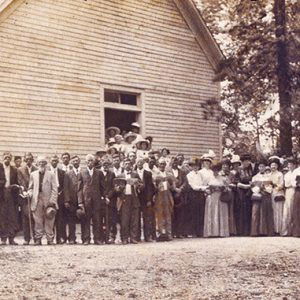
[120, 118]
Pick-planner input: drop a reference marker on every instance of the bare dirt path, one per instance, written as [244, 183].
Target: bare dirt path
[231, 268]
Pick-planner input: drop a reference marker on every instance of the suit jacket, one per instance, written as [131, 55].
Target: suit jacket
[2, 181]
[24, 176]
[134, 195]
[108, 184]
[147, 191]
[90, 189]
[71, 188]
[49, 189]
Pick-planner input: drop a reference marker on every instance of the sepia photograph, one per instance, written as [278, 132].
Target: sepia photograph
[150, 149]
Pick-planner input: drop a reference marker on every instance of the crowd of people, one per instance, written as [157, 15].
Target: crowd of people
[131, 192]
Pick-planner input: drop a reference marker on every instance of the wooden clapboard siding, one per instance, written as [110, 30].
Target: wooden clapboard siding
[56, 55]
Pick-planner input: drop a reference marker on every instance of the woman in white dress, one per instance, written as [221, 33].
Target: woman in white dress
[289, 199]
[216, 220]
[278, 193]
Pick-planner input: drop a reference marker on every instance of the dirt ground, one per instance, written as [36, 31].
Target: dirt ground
[229, 268]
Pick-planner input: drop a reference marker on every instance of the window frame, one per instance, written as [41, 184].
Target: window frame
[139, 108]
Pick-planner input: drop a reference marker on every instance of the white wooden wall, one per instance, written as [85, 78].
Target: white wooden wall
[55, 54]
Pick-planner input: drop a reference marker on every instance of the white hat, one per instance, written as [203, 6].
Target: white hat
[235, 159]
[41, 158]
[135, 124]
[162, 160]
[211, 154]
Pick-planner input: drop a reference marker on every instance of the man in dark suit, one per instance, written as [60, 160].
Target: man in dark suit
[179, 177]
[23, 180]
[110, 220]
[71, 198]
[60, 220]
[130, 205]
[9, 202]
[145, 193]
[90, 198]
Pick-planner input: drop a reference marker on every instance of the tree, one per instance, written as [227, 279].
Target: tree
[250, 37]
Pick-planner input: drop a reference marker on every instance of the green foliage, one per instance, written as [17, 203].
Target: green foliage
[245, 31]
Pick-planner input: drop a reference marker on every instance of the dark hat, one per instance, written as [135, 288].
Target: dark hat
[292, 160]
[17, 157]
[120, 181]
[246, 156]
[262, 161]
[216, 167]
[80, 213]
[50, 212]
[226, 162]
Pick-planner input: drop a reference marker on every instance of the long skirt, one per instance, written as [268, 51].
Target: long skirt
[231, 215]
[296, 214]
[243, 212]
[262, 217]
[216, 221]
[278, 214]
[287, 212]
[196, 205]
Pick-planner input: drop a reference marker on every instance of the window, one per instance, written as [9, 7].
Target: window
[121, 106]
[120, 97]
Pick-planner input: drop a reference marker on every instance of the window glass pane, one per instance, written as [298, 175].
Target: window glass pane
[128, 99]
[110, 96]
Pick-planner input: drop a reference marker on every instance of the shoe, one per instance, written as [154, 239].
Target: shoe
[132, 241]
[124, 242]
[50, 243]
[111, 241]
[26, 243]
[97, 242]
[72, 242]
[12, 242]
[86, 243]
[37, 243]
[169, 238]
[3, 242]
[149, 240]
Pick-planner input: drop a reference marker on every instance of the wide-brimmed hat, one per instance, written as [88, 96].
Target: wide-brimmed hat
[139, 143]
[109, 150]
[275, 159]
[206, 157]
[135, 124]
[111, 141]
[128, 135]
[116, 129]
[100, 152]
[236, 159]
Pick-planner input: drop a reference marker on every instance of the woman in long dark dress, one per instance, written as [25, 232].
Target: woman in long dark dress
[244, 207]
[296, 207]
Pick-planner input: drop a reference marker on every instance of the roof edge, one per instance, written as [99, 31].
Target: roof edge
[7, 7]
[203, 35]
